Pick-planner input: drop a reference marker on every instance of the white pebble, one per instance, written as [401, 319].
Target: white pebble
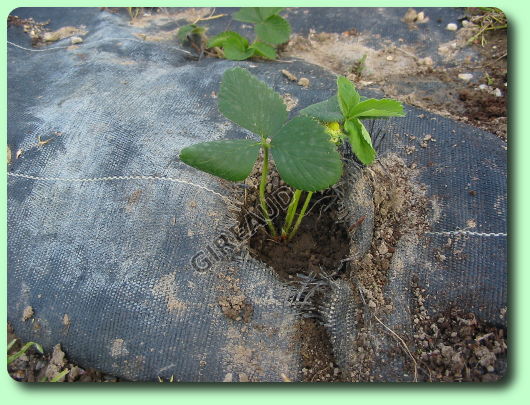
[451, 27]
[465, 76]
[497, 92]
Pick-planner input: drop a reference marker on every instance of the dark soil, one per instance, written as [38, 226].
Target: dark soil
[456, 347]
[318, 364]
[318, 247]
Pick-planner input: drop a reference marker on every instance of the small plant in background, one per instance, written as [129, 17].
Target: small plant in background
[270, 30]
[358, 66]
[304, 157]
[134, 12]
[192, 34]
[342, 114]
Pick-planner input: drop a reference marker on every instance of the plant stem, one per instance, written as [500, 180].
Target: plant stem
[291, 210]
[301, 215]
[262, 185]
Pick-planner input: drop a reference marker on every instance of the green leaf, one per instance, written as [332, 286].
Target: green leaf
[235, 46]
[236, 50]
[360, 141]
[183, 32]
[24, 349]
[220, 39]
[10, 345]
[249, 102]
[347, 96]
[264, 50]
[304, 156]
[229, 159]
[60, 375]
[378, 108]
[325, 111]
[274, 30]
[255, 14]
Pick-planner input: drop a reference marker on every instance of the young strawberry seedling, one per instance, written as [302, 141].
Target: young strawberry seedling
[304, 151]
[342, 114]
[304, 157]
[271, 30]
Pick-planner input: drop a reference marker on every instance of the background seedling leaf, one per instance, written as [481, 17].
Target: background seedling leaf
[236, 50]
[183, 32]
[347, 96]
[373, 108]
[304, 156]
[264, 50]
[274, 30]
[229, 159]
[325, 111]
[223, 37]
[249, 102]
[255, 14]
[360, 141]
[235, 46]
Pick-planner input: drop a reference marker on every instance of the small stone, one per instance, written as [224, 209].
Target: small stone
[427, 61]
[372, 304]
[243, 377]
[228, 377]
[304, 82]
[389, 58]
[451, 27]
[497, 92]
[76, 40]
[421, 18]
[465, 76]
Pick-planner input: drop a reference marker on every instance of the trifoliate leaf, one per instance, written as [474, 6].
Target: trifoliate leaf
[249, 102]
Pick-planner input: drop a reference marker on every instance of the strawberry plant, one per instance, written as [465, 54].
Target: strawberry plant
[304, 157]
[304, 151]
[270, 29]
[342, 114]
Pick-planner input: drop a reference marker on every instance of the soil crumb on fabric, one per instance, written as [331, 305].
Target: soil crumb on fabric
[27, 313]
[233, 302]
